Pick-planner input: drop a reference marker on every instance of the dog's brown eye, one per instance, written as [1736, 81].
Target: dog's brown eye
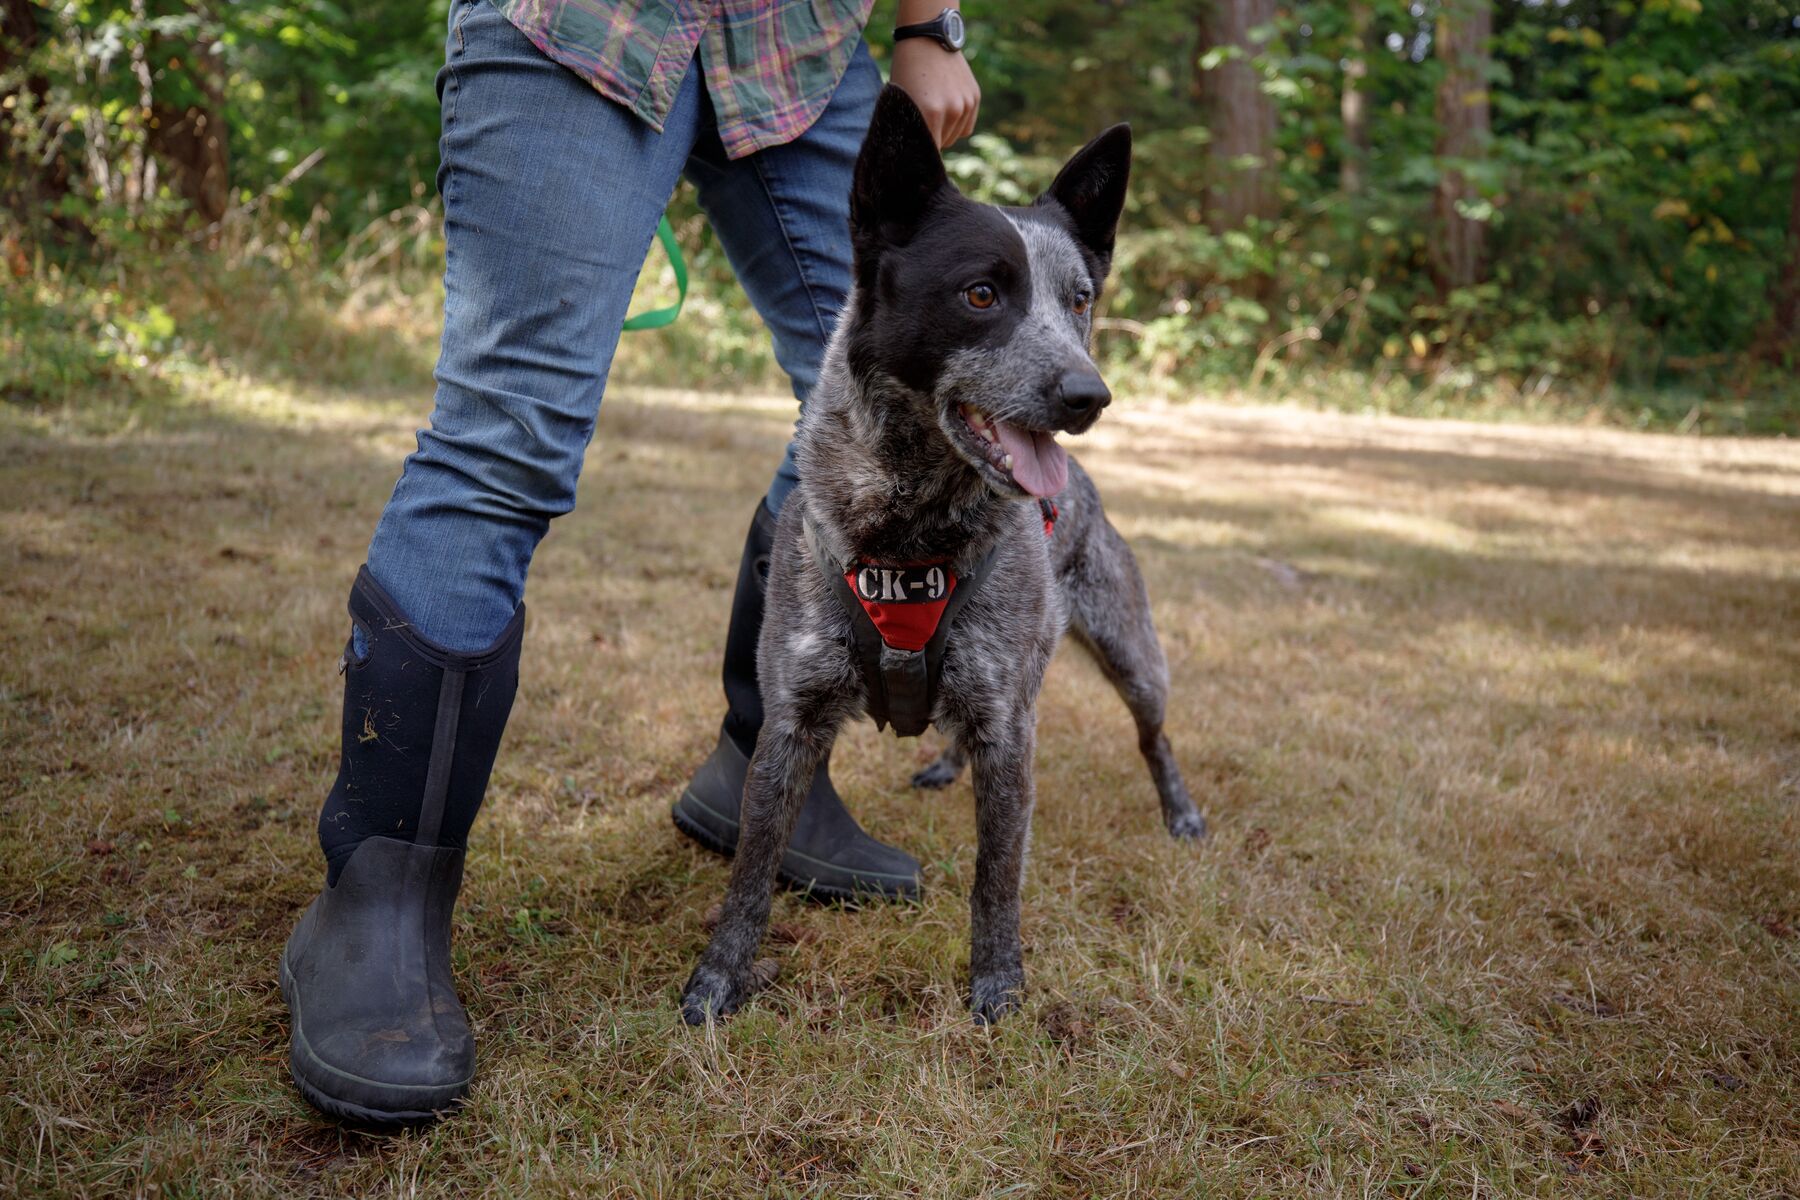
[982, 295]
[1082, 301]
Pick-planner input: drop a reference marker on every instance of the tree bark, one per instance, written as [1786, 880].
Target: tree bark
[1353, 101]
[1464, 28]
[190, 140]
[1240, 114]
[1781, 336]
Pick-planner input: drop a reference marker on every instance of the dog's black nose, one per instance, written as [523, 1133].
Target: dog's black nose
[1082, 394]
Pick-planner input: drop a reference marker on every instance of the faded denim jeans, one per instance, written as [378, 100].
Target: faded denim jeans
[551, 197]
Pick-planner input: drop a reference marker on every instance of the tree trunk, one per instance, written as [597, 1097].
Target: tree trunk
[191, 143]
[1463, 31]
[1781, 336]
[1353, 102]
[30, 181]
[1241, 115]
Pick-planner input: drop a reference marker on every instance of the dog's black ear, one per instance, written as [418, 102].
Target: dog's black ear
[1091, 188]
[897, 174]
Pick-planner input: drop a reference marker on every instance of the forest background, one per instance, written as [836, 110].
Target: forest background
[1582, 209]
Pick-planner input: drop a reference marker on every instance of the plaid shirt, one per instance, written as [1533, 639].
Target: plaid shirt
[770, 65]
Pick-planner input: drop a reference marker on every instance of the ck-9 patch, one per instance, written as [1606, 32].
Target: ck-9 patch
[905, 603]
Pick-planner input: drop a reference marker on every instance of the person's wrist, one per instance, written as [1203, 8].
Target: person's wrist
[913, 12]
[933, 21]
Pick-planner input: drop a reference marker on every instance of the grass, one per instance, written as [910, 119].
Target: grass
[1498, 729]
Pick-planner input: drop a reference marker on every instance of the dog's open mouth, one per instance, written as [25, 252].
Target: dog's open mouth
[1030, 459]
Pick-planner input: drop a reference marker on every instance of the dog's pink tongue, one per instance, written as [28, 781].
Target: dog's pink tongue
[1040, 466]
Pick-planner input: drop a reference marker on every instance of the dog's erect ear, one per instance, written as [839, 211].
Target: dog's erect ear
[897, 174]
[1091, 188]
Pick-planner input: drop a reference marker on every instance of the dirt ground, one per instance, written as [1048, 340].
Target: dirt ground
[1498, 729]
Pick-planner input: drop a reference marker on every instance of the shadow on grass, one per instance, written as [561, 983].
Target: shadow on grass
[1431, 584]
[1553, 472]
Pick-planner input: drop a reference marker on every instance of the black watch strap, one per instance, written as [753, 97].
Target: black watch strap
[946, 29]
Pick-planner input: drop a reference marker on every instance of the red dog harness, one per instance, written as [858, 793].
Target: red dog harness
[900, 614]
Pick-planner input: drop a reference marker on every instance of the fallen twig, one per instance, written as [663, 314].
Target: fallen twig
[1122, 325]
[300, 168]
[1306, 333]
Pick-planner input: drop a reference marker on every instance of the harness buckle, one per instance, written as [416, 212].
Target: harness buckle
[906, 679]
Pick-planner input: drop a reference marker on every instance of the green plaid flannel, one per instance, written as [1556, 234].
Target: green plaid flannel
[769, 65]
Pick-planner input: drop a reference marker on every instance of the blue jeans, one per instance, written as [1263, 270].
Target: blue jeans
[551, 196]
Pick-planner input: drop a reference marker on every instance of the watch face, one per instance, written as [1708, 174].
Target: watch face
[953, 28]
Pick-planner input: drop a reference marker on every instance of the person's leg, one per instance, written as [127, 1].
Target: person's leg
[551, 195]
[782, 216]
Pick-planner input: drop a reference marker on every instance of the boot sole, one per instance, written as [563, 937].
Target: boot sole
[901, 887]
[300, 1052]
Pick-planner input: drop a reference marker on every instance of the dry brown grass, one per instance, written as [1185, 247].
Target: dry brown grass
[1499, 732]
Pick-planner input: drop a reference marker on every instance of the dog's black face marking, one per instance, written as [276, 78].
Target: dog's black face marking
[915, 311]
[999, 377]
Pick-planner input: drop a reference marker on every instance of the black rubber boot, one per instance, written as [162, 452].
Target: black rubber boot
[830, 856]
[379, 1035]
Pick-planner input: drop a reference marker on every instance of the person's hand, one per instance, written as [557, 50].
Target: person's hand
[941, 84]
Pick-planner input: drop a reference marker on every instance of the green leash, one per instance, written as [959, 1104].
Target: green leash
[656, 318]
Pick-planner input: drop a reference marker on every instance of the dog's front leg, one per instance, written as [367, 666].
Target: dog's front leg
[787, 754]
[1004, 795]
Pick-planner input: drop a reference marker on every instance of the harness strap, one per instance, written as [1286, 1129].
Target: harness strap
[901, 684]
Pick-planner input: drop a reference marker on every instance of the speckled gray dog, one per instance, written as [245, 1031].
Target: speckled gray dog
[962, 351]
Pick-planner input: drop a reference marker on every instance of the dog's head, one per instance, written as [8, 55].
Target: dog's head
[983, 312]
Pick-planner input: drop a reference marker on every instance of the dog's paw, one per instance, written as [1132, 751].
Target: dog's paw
[713, 994]
[939, 774]
[994, 996]
[1188, 826]
[710, 995]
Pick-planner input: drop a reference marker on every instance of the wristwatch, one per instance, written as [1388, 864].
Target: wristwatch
[946, 29]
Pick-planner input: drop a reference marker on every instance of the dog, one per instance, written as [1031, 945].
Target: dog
[940, 542]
